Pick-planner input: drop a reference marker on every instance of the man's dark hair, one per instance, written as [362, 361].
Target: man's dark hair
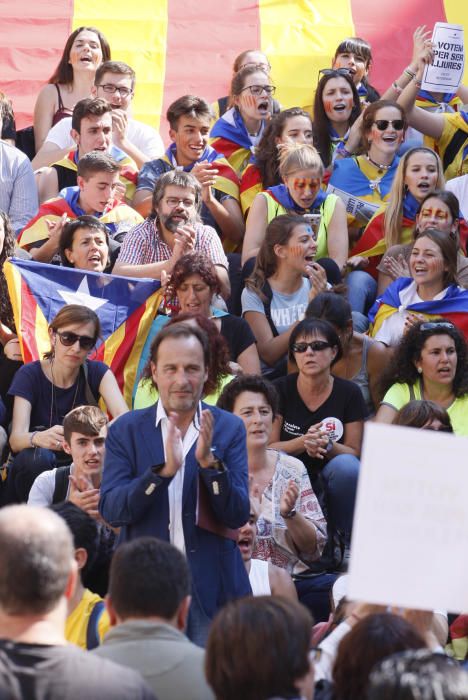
[35, 560]
[188, 106]
[248, 382]
[148, 578]
[84, 530]
[89, 107]
[180, 330]
[115, 67]
[96, 162]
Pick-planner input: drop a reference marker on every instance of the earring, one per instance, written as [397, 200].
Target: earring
[419, 370]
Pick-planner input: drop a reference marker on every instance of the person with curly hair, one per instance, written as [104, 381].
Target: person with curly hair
[429, 363]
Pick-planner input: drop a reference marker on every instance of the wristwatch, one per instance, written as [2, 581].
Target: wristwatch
[292, 514]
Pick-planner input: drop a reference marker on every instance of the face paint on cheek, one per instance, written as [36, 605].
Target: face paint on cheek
[249, 100]
[296, 250]
[328, 106]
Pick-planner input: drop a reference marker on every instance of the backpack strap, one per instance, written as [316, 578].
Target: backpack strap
[61, 484]
[92, 633]
[457, 141]
[268, 293]
[90, 398]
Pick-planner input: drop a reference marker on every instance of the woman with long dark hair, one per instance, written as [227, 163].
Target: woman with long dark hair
[85, 49]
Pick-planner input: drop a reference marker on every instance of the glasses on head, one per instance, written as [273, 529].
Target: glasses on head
[382, 124]
[257, 90]
[68, 339]
[111, 89]
[431, 325]
[260, 66]
[335, 71]
[315, 346]
[175, 201]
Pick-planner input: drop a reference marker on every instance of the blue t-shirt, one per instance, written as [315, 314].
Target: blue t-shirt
[50, 404]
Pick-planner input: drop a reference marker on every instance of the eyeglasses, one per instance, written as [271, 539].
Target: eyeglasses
[111, 89]
[382, 124]
[258, 89]
[175, 201]
[335, 71]
[431, 325]
[68, 339]
[315, 346]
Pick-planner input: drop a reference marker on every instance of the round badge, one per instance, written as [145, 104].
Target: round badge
[333, 427]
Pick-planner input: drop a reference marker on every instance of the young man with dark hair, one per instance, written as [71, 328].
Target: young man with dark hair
[178, 471]
[148, 604]
[85, 430]
[87, 619]
[172, 229]
[115, 82]
[38, 574]
[189, 119]
[91, 130]
[97, 182]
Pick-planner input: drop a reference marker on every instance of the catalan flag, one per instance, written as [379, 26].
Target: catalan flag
[126, 308]
[453, 307]
[251, 185]
[230, 137]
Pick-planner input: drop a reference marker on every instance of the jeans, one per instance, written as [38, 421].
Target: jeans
[198, 622]
[314, 592]
[340, 476]
[362, 290]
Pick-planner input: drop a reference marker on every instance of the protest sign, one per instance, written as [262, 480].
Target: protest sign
[360, 209]
[410, 534]
[446, 71]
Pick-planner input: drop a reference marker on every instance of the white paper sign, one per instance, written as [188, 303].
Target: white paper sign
[410, 534]
[446, 71]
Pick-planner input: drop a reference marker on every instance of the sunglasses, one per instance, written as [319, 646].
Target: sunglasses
[431, 325]
[315, 346]
[335, 71]
[397, 124]
[68, 339]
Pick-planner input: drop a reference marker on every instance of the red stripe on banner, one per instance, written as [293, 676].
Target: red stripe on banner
[28, 323]
[390, 33]
[121, 356]
[203, 39]
[33, 38]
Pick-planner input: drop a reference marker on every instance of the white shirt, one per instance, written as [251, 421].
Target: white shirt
[42, 490]
[175, 490]
[144, 137]
[459, 187]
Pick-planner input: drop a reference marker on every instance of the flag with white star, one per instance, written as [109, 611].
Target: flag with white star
[126, 308]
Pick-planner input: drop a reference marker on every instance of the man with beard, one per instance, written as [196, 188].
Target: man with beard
[172, 230]
[114, 82]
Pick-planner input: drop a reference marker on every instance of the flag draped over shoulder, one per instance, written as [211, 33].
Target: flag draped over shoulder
[125, 306]
[453, 307]
[227, 181]
[251, 185]
[229, 136]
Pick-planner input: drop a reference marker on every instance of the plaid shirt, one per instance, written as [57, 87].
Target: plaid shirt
[143, 245]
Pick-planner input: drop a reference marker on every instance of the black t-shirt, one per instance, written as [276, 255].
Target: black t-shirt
[237, 334]
[42, 672]
[344, 405]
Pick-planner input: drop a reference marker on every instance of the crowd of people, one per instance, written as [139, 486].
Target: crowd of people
[313, 269]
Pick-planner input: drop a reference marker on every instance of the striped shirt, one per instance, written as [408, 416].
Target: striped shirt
[18, 191]
[143, 245]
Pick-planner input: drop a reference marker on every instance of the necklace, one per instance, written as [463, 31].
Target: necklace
[54, 397]
[378, 165]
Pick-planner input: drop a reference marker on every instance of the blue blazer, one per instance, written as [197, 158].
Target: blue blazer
[136, 500]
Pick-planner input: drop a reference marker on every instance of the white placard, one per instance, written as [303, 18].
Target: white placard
[410, 534]
[446, 72]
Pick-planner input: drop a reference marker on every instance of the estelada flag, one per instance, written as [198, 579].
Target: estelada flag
[125, 306]
[453, 307]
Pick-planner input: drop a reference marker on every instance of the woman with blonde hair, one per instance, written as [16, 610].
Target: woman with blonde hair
[300, 193]
[419, 172]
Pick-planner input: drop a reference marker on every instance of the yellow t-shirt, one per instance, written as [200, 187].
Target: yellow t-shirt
[399, 395]
[76, 626]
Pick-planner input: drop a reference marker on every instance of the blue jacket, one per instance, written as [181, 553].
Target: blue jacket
[135, 499]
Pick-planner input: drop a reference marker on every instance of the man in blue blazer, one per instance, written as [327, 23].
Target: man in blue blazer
[178, 471]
